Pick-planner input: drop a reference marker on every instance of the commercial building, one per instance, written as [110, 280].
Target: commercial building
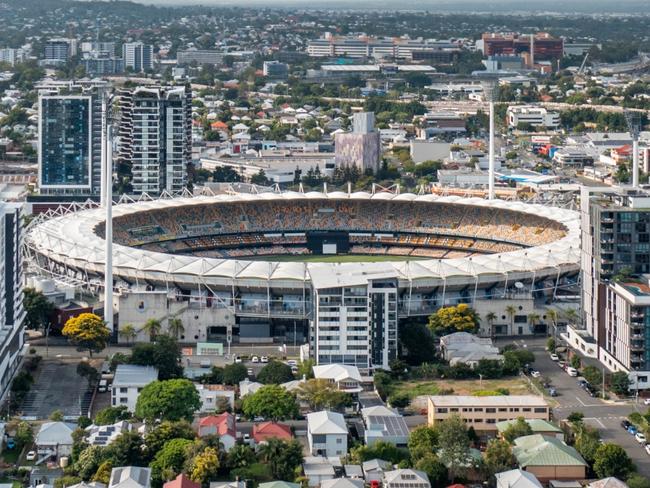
[59, 51]
[155, 137]
[137, 56]
[12, 313]
[199, 57]
[483, 413]
[533, 116]
[542, 45]
[69, 142]
[362, 146]
[129, 380]
[573, 156]
[12, 56]
[102, 65]
[615, 257]
[275, 69]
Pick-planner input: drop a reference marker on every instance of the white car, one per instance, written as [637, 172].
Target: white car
[292, 362]
[237, 359]
[646, 401]
[535, 374]
[640, 438]
[264, 359]
[255, 359]
[250, 371]
[572, 372]
[647, 448]
[31, 456]
[555, 357]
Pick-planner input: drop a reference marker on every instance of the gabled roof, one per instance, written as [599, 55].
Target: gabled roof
[224, 423]
[342, 483]
[133, 375]
[537, 425]
[181, 481]
[326, 422]
[538, 450]
[130, 477]
[278, 484]
[517, 478]
[610, 482]
[375, 465]
[337, 372]
[267, 430]
[406, 476]
[53, 433]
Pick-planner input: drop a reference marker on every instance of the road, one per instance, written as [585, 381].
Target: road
[605, 416]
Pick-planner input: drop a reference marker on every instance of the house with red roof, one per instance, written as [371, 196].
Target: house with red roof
[223, 425]
[181, 481]
[266, 430]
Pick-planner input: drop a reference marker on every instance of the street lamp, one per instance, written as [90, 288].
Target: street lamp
[490, 93]
[633, 119]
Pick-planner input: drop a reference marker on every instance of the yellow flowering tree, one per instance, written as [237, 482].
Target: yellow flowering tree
[88, 332]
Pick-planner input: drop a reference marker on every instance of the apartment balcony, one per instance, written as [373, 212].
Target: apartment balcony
[637, 346]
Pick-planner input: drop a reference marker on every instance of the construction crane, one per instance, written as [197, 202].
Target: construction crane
[584, 62]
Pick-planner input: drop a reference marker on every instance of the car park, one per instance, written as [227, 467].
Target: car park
[555, 357]
[640, 438]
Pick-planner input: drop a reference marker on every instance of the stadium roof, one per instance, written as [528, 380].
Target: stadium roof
[71, 240]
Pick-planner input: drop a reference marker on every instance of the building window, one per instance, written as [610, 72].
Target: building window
[124, 400]
[540, 410]
[490, 410]
[124, 390]
[441, 410]
[339, 441]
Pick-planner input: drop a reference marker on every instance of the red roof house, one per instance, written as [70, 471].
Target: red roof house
[222, 425]
[264, 431]
[181, 481]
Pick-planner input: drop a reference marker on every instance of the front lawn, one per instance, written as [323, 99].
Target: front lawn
[415, 388]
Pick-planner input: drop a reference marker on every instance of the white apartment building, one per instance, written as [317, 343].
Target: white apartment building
[12, 56]
[573, 156]
[355, 322]
[380, 47]
[155, 137]
[137, 56]
[327, 434]
[535, 116]
[12, 313]
[128, 382]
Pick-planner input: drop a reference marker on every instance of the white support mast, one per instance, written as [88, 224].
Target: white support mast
[108, 206]
[633, 119]
[490, 88]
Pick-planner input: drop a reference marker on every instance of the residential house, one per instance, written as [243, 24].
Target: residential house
[374, 470]
[103, 435]
[88, 484]
[347, 378]
[222, 425]
[55, 438]
[549, 458]
[342, 483]
[483, 413]
[517, 478]
[610, 482]
[227, 484]
[462, 347]
[267, 430]
[538, 426]
[318, 469]
[353, 471]
[130, 477]
[278, 484]
[211, 396]
[247, 386]
[327, 434]
[406, 478]
[181, 481]
[384, 424]
[128, 382]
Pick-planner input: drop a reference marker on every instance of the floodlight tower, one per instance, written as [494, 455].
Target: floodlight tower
[490, 92]
[107, 180]
[633, 119]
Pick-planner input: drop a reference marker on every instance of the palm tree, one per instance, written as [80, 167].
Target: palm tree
[128, 332]
[571, 315]
[533, 320]
[175, 327]
[553, 315]
[491, 317]
[152, 327]
[511, 311]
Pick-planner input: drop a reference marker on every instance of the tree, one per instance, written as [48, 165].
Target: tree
[458, 318]
[168, 400]
[619, 383]
[164, 354]
[454, 445]
[24, 436]
[56, 416]
[175, 327]
[400, 399]
[85, 370]
[38, 309]
[234, 373]
[274, 373]
[283, 457]
[110, 415]
[638, 481]
[498, 456]
[587, 443]
[576, 418]
[423, 441]
[593, 375]
[511, 310]
[128, 332]
[489, 368]
[204, 466]
[575, 361]
[165, 432]
[518, 428]
[88, 332]
[551, 344]
[214, 377]
[83, 422]
[417, 343]
[152, 327]
[490, 317]
[88, 461]
[169, 461]
[435, 470]
[379, 450]
[103, 473]
[306, 368]
[271, 402]
[126, 450]
[612, 460]
[240, 456]
[320, 394]
[259, 178]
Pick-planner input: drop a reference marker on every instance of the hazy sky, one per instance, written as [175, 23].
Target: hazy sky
[501, 6]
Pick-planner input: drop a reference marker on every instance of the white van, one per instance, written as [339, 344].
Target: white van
[103, 386]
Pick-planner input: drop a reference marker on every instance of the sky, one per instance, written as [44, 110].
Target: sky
[500, 6]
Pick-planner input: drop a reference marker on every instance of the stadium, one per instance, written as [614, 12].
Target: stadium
[274, 260]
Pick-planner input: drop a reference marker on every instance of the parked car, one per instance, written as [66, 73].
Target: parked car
[625, 424]
[555, 357]
[237, 359]
[561, 364]
[632, 430]
[646, 401]
[572, 371]
[264, 359]
[535, 374]
[552, 392]
[31, 456]
[640, 438]
[647, 448]
[255, 359]
[11, 443]
[292, 362]
[103, 386]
